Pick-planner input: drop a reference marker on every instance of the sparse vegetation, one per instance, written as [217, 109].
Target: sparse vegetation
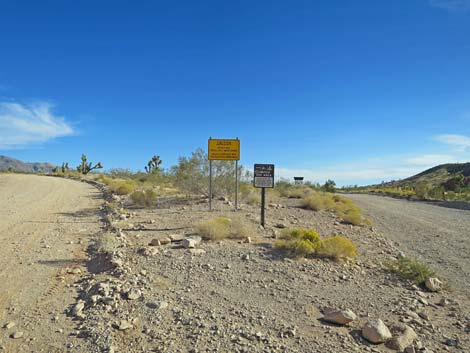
[222, 228]
[410, 269]
[342, 206]
[144, 198]
[299, 242]
[337, 247]
[307, 243]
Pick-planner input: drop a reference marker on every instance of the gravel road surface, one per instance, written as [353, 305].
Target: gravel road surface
[45, 225]
[439, 236]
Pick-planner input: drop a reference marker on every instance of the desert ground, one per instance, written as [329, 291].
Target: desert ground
[85, 271]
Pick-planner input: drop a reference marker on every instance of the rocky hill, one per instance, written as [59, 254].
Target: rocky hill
[20, 166]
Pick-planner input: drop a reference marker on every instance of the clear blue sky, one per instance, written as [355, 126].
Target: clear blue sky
[355, 90]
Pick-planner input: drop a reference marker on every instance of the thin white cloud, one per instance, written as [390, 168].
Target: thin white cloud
[452, 5]
[22, 125]
[461, 142]
[431, 159]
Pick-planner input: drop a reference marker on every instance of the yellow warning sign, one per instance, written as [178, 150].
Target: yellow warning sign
[224, 150]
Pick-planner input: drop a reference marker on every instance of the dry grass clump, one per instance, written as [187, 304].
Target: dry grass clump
[222, 228]
[410, 269]
[144, 198]
[122, 187]
[307, 243]
[342, 206]
[337, 247]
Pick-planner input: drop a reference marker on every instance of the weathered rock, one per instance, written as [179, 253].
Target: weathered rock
[77, 309]
[160, 241]
[376, 331]
[124, 325]
[133, 294]
[9, 325]
[403, 336]
[151, 251]
[410, 349]
[17, 334]
[176, 237]
[191, 242]
[433, 284]
[340, 317]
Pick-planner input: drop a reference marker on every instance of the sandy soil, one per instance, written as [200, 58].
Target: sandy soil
[45, 226]
[438, 235]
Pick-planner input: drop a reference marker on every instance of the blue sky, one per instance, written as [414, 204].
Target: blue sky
[358, 91]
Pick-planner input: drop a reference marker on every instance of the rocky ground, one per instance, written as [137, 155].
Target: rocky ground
[236, 296]
[144, 290]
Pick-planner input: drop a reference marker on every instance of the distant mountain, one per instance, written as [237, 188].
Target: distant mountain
[17, 165]
[436, 176]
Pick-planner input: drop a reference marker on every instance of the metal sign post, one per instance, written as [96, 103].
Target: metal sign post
[263, 178]
[223, 150]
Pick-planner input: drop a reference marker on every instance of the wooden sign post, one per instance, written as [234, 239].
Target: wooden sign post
[263, 178]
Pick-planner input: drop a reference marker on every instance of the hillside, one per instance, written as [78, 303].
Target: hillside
[17, 165]
[439, 174]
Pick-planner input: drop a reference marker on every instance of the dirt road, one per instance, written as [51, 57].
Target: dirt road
[45, 227]
[439, 236]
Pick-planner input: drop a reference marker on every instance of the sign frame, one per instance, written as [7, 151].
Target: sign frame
[263, 176]
[223, 149]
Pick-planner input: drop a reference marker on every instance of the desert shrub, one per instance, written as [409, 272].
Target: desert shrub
[342, 206]
[336, 247]
[107, 243]
[122, 187]
[144, 198]
[410, 269]
[298, 242]
[221, 228]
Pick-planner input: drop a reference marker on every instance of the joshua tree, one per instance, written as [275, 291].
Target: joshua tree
[65, 167]
[153, 165]
[85, 168]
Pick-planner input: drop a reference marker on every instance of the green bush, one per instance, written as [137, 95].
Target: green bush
[410, 269]
[144, 198]
[122, 187]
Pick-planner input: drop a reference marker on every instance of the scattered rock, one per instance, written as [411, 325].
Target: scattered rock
[340, 317]
[124, 325]
[433, 284]
[152, 251]
[376, 331]
[77, 309]
[403, 336]
[176, 237]
[133, 294]
[192, 242]
[17, 334]
[9, 325]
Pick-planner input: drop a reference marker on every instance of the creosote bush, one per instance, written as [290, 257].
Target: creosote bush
[410, 269]
[307, 243]
[222, 228]
[144, 198]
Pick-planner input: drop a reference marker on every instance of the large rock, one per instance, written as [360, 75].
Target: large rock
[191, 242]
[340, 317]
[433, 284]
[376, 331]
[403, 336]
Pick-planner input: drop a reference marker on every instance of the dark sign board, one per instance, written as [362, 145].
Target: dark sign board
[264, 176]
